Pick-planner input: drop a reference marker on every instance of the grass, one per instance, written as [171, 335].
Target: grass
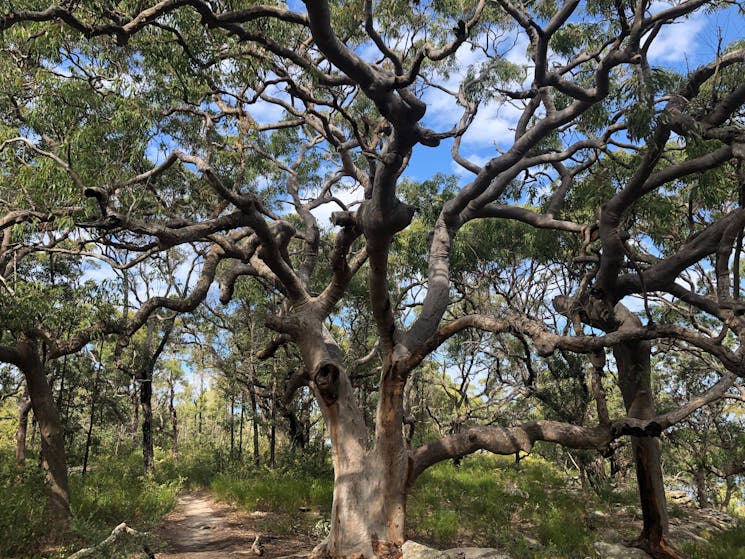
[113, 491]
[485, 502]
[532, 511]
[482, 501]
[274, 491]
[729, 544]
[117, 493]
[23, 514]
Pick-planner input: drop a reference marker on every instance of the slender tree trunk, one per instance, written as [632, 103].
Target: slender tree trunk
[254, 421]
[232, 427]
[240, 425]
[635, 380]
[63, 375]
[146, 397]
[135, 397]
[146, 390]
[701, 493]
[54, 461]
[89, 434]
[174, 418]
[731, 486]
[273, 422]
[24, 407]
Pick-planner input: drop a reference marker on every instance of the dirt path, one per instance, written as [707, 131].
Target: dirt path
[202, 528]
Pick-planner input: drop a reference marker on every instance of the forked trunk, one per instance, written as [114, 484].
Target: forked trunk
[368, 515]
[635, 380]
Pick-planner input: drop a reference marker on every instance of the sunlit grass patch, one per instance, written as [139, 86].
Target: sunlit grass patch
[23, 514]
[729, 544]
[489, 501]
[274, 491]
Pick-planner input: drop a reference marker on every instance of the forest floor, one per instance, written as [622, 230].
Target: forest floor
[203, 528]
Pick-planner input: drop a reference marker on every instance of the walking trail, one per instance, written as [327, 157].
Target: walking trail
[202, 528]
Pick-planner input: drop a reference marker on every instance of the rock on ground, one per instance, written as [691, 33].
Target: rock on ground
[619, 551]
[414, 550]
[475, 553]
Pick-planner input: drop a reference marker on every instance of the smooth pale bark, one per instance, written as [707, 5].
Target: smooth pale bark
[368, 515]
[635, 380]
[54, 460]
[371, 474]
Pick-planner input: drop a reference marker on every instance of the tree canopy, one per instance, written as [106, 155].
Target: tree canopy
[588, 218]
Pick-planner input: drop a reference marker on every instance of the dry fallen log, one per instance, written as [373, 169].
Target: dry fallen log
[121, 530]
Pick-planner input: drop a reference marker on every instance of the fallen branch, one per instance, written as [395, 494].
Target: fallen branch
[121, 529]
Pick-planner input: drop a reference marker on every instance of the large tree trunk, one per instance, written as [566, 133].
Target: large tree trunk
[52, 441]
[368, 514]
[371, 477]
[634, 376]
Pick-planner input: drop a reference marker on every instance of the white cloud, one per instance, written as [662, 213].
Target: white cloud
[479, 160]
[494, 125]
[675, 41]
[347, 196]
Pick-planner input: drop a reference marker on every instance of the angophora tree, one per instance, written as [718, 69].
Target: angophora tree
[265, 111]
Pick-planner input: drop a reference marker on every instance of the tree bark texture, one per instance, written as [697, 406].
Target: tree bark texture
[54, 460]
[635, 379]
[24, 407]
[146, 397]
[368, 515]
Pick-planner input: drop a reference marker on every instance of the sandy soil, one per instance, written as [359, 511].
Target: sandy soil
[202, 528]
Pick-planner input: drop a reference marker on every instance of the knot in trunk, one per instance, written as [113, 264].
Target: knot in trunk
[326, 378]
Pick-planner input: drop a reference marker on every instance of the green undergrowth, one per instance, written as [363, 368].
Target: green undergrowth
[118, 491]
[113, 491]
[23, 514]
[275, 491]
[729, 544]
[534, 512]
[486, 501]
